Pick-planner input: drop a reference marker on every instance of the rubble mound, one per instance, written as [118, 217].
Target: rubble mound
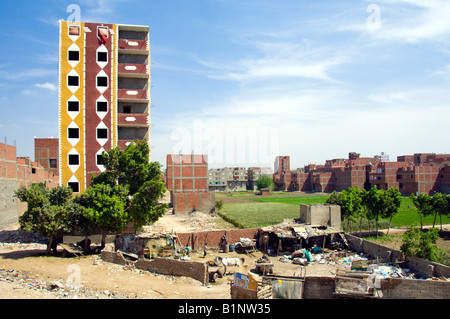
[20, 236]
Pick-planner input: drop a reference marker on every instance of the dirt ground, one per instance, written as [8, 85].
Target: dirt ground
[27, 273]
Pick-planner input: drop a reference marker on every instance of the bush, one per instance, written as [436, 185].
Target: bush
[421, 244]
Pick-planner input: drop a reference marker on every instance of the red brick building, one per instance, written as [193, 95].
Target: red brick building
[46, 153]
[186, 179]
[419, 173]
[16, 172]
[282, 176]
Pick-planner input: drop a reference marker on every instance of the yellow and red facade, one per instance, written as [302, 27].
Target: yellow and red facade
[94, 111]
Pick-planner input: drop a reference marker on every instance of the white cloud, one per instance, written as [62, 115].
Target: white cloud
[47, 85]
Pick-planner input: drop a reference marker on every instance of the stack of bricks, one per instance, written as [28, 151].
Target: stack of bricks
[186, 179]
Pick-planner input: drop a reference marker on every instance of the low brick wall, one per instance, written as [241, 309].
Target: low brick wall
[397, 288]
[197, 240]
[423, 267]
[318, 287]
[164, 266]
[167, 266]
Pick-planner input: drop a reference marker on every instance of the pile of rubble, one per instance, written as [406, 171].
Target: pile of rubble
[197, 221]
[54, 288]
[20, 236]
[349, 261]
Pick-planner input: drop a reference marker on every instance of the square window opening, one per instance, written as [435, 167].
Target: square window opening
[102, 106]
[75, 186]
[99, 159]
[102, 81]
[102, 56]
[53, 163]
[73, 81]
[74, 133]
[74, 56]
[73, 106]
[102, 133]
[74, 159]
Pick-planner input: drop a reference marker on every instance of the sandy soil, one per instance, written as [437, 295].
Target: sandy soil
[27, 273]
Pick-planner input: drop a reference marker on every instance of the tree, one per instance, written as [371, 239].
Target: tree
[350, 202]
[105, 206]
[424, 205]
[390, 201]
[132, 169]
[264, 181]
[372, 201]
[422, 244]
[218, 205]
[47, 212]
[439, 206]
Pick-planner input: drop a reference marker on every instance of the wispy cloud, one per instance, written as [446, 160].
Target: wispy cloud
[47, 85]
[26, 74]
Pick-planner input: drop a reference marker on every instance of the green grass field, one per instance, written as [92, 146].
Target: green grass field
[272, 210]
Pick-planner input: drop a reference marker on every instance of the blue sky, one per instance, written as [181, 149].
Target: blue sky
[243, 81]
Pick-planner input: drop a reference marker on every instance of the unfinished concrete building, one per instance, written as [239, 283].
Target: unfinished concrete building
[186, 179]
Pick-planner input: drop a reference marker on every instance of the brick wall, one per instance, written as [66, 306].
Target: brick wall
[164, 266]
[212, 238]
[16, 172]
[418, 265]
[186, 179]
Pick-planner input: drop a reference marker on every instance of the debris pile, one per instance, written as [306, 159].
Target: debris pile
[54, 288]
[199, 221]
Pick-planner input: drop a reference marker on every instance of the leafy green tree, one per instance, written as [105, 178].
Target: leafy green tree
[47, 212]
[422, 244]
[264, 181]
[440, 206]
[104, 206]
[424, 205]
[132, 169]
[350, 202]
[372, 202]
[390, 201]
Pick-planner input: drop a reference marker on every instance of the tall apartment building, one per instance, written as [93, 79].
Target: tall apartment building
[104, 95]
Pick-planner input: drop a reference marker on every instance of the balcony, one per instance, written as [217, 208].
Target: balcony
[131, 46]
[136, 120]
[130, 95]
[133, 70]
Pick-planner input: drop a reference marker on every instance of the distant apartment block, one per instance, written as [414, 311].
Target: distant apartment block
[104, 95]
[254, 173]
[282, 176]
[186, 179]
[227, 179]
[425, 173]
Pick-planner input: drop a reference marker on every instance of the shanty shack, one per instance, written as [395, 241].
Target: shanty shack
[147, 245]
[319, 226]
